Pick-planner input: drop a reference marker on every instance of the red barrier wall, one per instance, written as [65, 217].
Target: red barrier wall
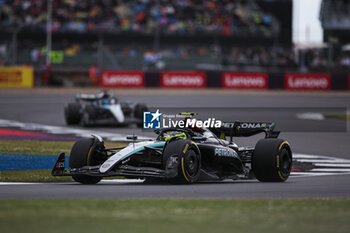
[226, 80]
[244, 80]
[122, 78]
[183, 79]
[307, 81]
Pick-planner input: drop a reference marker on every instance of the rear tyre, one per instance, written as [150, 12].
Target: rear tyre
[189, 160]
[72, 113]
[81, 155]
[272, 160]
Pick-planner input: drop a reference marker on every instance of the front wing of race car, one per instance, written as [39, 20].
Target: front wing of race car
[121, 170]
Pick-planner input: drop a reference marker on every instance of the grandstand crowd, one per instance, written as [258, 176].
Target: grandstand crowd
[180, 16]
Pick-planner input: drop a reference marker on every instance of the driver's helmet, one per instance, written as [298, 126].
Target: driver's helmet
[177, 135]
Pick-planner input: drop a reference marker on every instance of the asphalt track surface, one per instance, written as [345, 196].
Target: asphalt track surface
[308, 187]
[328, 137]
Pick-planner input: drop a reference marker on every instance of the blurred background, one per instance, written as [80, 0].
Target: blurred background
[72, 42]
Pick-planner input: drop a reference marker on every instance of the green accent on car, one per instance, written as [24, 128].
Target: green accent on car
[154, 145]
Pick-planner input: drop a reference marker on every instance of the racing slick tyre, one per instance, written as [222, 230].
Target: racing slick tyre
[272, 160]
[88, 115]
[138, 113]
[81, 155]
[189, 160]
[72, 113]
[91, 111]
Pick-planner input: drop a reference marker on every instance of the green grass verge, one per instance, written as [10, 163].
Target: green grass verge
[32, 147]
[171, 215]
[36, 148]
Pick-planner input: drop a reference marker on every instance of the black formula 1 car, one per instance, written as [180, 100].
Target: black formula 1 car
[183, 155]
[103, 109]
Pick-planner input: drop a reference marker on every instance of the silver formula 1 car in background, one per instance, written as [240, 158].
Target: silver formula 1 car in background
[103, 109]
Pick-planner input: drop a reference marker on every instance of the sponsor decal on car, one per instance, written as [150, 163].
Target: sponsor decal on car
[183, 79]
[225, 152]
[253, 125]
[307, 81]
[60, 165]
[122, 79]
[244, 80]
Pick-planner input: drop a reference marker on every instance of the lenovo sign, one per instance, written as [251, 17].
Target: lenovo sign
[122, 79]
[183, 79]
[311, 81]
[244, 80]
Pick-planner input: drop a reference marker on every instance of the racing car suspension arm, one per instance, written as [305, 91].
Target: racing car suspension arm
[114, 148]
[159, 151]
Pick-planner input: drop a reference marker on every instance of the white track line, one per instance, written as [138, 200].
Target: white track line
[332, 165]
[311, 116]
[18, 183]
[342, 161]
[311, 174]
[329, 170]
[306, 156]
[322, 165]
[113, 181]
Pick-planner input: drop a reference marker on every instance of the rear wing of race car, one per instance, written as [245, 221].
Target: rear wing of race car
[88, 97]
[93, 97]
[245, 129]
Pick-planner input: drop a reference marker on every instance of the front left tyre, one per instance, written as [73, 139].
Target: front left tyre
[82, 154]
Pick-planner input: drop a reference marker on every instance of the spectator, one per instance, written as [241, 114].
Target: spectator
[45, 74]
[182, 16]
[345, 61]
[94, 74]
[35, 54]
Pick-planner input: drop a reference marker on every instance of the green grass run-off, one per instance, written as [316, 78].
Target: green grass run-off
[175, 215]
